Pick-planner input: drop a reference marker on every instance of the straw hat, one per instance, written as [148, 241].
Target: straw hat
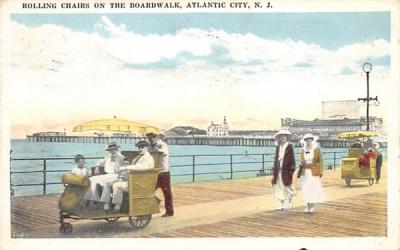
[283, 132]
[310, 136]
[112, 145]
[151, 135]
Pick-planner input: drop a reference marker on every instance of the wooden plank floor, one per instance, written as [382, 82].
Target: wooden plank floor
[30, 213]
[363, 215]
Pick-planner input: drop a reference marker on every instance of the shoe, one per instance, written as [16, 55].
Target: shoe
[117, 208]
[311, 210]
[306, 210]
[106, 207]
[377, 182]
[279, 209]
[167, 215]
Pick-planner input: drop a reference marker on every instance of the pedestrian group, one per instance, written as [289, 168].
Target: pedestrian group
[309, 173]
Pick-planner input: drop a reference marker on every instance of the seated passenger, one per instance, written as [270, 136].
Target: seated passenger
[356, 144]
[372, 153]
[363, 161]
[80, 168]
[111, 164]
[365, 158]
[144, 161]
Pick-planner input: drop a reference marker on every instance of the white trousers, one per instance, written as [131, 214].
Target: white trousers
[119, 188]
[102, 180]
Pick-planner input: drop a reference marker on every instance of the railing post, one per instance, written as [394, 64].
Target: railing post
[44, 176]
[194, 168]
[334, 161]
[231, 164]
[263, 163]
[11, 185]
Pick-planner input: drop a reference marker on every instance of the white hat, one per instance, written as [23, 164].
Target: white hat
[310, 136]
[283, 132]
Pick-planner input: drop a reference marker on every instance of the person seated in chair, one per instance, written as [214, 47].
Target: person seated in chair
[357, 144]
[80, 168]
[111, 163]
[365, 158]
[144, 161]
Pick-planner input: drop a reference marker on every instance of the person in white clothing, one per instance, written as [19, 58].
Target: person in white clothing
[283, 169]
[80, 168]
[144, 161]
[310, 173]
[111, 165]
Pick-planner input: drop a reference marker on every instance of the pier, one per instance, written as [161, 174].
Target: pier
[246, 141]
[228, 208]
[84, 139]
[183, 140]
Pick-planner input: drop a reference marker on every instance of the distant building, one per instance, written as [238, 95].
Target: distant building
[121, 135]
[351, 109]
[253, 133]
[218, 129]
[329, 128]
[49, 134]
[336, 117]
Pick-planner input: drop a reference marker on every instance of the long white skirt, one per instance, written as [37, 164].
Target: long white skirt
[312, 188]
[282, 192]
[92, 193]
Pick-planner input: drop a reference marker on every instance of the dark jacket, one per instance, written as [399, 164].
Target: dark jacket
[288, 166]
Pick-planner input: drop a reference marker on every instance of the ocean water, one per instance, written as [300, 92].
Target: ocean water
[211, 162]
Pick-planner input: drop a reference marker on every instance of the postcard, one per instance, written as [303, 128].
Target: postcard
[200, 124]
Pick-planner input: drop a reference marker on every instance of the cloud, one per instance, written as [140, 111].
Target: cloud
[50, 47]
[193, 75]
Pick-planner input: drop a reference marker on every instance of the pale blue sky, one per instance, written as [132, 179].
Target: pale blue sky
[328, 30]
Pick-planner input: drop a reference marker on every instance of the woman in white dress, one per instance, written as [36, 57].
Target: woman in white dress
[310, 173]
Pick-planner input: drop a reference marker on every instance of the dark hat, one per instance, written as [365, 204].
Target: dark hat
[112, 145]
[151, 135]
[142, 144]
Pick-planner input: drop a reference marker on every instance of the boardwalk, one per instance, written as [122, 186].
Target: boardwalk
[230, 208]
[324, 223]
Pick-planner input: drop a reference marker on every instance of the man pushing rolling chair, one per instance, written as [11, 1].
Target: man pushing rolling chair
[164, 179]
